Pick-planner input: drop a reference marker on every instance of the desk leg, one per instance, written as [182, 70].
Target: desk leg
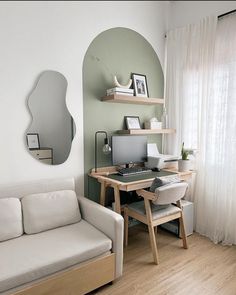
[103, 193]
[117, 199]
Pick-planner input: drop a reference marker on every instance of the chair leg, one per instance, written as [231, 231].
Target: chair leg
[126, 218]
[153, 244]
[155, 229]
[183, 232]
[151, 230]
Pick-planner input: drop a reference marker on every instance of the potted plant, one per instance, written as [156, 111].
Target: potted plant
[184, 163]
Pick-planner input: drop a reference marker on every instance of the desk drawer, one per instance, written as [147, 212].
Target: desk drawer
[41, 154]
[46, 161]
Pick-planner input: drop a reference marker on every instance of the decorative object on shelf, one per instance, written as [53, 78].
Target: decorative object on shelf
[164, 118]
[132, 122]
[153, 124]
[33, 141]
[117, 84]
[140, 85]
[106, 148]
[120, 91]
[110, 72]
[184, 163]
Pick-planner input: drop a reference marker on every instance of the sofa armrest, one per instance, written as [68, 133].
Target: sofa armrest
[108, 222]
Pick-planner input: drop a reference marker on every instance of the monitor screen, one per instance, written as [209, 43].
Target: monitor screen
[129, 149]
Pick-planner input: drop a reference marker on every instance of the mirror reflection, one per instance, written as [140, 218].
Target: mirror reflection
[52, 129]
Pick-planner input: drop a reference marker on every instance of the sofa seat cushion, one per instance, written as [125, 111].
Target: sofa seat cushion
[31, 257]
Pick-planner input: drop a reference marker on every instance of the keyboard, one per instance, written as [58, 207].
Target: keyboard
[133, 171]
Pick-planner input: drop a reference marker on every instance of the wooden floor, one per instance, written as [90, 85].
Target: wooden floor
[203, 269]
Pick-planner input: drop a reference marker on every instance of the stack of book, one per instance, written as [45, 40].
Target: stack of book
[120, 91]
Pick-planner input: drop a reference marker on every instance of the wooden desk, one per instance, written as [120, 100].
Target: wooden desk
[108, 178]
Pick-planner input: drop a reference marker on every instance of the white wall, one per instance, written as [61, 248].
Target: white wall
[36, 36]
[188, 12]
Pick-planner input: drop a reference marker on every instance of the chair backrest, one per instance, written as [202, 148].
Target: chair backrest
[170, 193]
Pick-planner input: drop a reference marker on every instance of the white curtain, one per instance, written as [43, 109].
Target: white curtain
[201, 104]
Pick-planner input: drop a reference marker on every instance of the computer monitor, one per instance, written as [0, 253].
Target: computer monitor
[129, 149]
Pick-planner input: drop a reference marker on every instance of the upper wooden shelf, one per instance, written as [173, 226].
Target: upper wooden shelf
[132, 99]
[146, 131]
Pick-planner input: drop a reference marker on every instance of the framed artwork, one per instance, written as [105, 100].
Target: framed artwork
[132, 122]
[33, 141]
[140, 85]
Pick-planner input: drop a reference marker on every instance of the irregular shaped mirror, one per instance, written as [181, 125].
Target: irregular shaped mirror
[52, 129]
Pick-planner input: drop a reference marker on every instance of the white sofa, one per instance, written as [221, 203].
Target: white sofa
[51, 245]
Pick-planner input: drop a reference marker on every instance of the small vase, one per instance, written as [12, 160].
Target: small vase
[183, 165]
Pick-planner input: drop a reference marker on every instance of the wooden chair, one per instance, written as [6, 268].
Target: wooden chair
[153, 215]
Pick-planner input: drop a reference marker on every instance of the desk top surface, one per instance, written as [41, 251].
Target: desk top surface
[138, 177]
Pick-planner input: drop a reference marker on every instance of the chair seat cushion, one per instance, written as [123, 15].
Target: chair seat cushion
[157, 211]
[31, 257]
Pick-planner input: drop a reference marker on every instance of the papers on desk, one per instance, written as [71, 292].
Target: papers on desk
[157, 160]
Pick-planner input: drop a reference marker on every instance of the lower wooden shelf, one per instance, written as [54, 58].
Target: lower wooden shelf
[146, 131]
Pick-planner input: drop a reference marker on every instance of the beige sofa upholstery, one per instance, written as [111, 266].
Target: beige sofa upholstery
[11, 224]
[32, 257]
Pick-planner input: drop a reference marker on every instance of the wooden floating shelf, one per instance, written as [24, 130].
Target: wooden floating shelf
[115, 98]
[146, 131]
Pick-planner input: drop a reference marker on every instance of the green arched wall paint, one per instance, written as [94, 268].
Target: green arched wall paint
[117, 51]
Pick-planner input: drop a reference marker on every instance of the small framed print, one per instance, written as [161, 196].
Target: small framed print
[33, 141]
[140, 85]
[132, 122]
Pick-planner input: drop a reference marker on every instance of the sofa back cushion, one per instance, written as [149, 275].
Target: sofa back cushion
[10, 219]
[49, 210]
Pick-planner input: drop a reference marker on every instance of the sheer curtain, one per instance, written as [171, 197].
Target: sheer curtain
[201, 103]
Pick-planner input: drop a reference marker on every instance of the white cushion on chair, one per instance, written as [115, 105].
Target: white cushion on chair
[158, 182]
[49, 210]
[10, 219]
[157, 211]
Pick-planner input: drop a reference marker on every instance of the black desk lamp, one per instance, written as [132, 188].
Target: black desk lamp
[106, 148]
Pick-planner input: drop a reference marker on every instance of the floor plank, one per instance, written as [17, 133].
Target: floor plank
[203, 269]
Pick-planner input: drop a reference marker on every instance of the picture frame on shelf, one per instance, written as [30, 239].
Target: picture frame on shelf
[33, 141]
[132, 122]
[140, 85]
